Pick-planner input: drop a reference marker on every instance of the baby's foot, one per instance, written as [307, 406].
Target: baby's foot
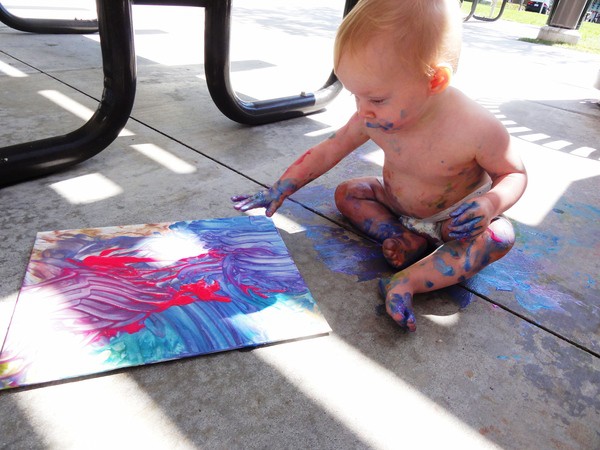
[398, 305]
[399, 253]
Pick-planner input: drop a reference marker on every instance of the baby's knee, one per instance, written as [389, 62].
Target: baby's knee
[340, 196]
[351, 190]
[502, 235]
[341, 191]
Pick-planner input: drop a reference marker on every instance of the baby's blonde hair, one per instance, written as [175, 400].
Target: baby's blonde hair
[422, 33]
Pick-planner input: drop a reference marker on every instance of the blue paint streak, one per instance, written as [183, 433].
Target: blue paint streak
[534, 274]
[348, 256]
[462, 297]
[256, 257]
[441, 266]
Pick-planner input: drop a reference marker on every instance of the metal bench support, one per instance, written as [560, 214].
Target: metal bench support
[25, 161]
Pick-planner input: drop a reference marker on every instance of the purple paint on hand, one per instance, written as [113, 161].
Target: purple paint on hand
[270, 199]
[458, 212]
[462, 208]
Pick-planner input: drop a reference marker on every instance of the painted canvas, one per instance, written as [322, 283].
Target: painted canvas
[99, 299]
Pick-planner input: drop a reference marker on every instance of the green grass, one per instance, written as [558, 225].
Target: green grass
[590, 32]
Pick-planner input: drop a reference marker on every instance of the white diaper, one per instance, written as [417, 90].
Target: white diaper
[431, 227]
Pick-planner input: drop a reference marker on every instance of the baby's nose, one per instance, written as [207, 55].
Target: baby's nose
[364, 113]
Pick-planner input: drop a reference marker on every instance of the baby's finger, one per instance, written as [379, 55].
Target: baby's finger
[465, 226]
[465, 235]
[273, 206]
[462, 208]
[242, 206]
[240, 197]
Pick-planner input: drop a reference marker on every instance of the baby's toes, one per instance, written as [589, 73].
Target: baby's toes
[398, 307]
[411, 322]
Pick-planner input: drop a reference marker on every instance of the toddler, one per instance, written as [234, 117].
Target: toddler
[449, 170]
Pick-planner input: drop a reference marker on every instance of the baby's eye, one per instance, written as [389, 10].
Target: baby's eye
[377, 101]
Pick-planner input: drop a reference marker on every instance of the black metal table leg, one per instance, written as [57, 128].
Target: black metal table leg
[47, 26]
[29, 160]
[496, 17]
[216, 66]
[216, 63]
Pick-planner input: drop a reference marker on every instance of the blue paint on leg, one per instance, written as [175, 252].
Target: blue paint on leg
[441, 266]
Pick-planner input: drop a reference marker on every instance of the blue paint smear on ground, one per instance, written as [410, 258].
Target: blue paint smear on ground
[342, 254]
[459, 295]
[318, 198]
[535, 273]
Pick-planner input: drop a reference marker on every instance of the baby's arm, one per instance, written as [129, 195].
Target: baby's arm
[509, 180]
[311, 165]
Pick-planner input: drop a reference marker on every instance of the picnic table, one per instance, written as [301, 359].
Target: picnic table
[28, 160]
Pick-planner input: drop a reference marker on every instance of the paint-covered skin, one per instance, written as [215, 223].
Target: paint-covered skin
[270, 199]
[454, 262]
[382, 125]
[308, 167]
[468, 220]
[399, 304]
[399, 307]
[439, 148]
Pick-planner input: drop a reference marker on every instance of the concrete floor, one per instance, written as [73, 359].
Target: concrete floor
[517, 365]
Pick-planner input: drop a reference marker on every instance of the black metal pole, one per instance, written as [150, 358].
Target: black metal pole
[496, 17]
[25, 161]
[216, 59]
[28, 160]
[47, 26]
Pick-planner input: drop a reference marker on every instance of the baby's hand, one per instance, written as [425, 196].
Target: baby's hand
[271, 199]
[470, 219]
[262, 199]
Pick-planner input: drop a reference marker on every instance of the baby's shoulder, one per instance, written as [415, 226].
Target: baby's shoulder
[467, 108]
[466, 116]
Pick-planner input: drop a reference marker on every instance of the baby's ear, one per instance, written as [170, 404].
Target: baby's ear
[440, 79]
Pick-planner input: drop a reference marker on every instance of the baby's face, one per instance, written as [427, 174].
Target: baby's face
[389, 96]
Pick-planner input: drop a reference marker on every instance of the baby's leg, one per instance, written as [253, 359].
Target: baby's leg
[453, 262]
[363, 202]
